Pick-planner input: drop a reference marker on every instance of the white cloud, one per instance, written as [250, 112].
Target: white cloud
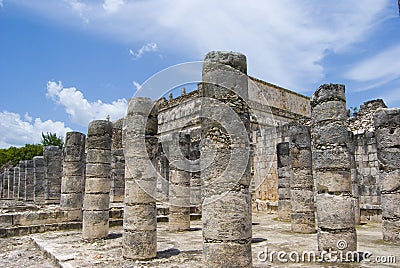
[112, 6]
[79, 7]
[80, 110]
[150, 47]
[383, 67]
[15, 131]
[1, 3]
[285, 40]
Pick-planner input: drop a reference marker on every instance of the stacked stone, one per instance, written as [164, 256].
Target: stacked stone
[387, 125]
[21, 180]
[355, 179]
[10, 181]
[284, 175]
[1, 185]
[225, 151]
[117, 190]
[53, 171]
[301, 182]
[38, 178]
[29, 180]
[331, 159]
[16, 183]
[4, 184]
[73, 175]
[96, 203]
[179, 188]
[140, 148]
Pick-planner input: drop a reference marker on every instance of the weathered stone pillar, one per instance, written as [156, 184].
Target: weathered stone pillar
[139, 239]
[29, 180]
[179, 187]
[21, 180]
[96, 203]
[355, 183]
[53, 169]
[331, 161]
[117, 190]
[224, 161]
[387, 125]
[73, 175]
[10, 176]
[1, 185]
[301, 182]
[38, 178]
[16, 182]
[284, 176]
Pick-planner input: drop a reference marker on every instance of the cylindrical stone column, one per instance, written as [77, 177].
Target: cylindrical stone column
[284, 175]
[96, 203]
[179, 187]
[1, 185]
[225, 161]
[21, 180]
[16, 183]
[11, 183]
[73, 175]
[29, 180]
[139, 239]
[38, 179]
[331, 159]
[301, 182]
[355, 183]
[53, 169]
[387, 125]
[117, 190]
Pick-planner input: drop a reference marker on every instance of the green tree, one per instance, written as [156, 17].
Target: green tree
[13, 155]
[52, 139]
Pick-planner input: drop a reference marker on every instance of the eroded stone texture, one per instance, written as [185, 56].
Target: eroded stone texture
[21, 180]
[117, 189]
[387, 124]
[96, 203]
[224, 161]
[73, 175]
[29, 180]
[10, 176]
[331, 158]
[140, 148]
[284, 177]
[179, 187]
[16, 183]
[53, 169]
[301, 182]
[38, 179]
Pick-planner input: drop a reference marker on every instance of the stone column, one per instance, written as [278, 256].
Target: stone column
[117, 190]
[96, 203]
[331, 161]
[355, 182]
[387, 125]
[284, 175]
[6, 184]
[53, 169]
[301, 183]
[16, 183]
[21, 180]
[10, 183]
[1, 185]
[38, 178]
[29, 180]
[179, 186]
[225, 155]
[139, 239]
[73, 175]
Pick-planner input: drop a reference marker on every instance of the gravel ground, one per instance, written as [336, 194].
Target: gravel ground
[21, 252]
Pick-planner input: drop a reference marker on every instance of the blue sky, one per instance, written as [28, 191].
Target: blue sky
[64, 63]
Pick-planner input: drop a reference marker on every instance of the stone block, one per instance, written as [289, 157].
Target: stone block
[95, 224]
[329, 111]
[390, 205]
[302, 179]
[227, 254]
[96, 202]
[336, 158]
[302, 200]
[98, 156]
[333, 181]
[328, 241]
[391, 231]
[335, 211]
[145, 217]
[139, 245]
[389, 181]
[97, 185]
[303, 223]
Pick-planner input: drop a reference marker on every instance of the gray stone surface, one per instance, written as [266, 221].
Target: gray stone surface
[38, 179]
[226, 211]
[96, 202]
[332, 164]
[301, 180]
[73, 175]
[284, 177]
[53, 172]
[139, 239]
[387, 124]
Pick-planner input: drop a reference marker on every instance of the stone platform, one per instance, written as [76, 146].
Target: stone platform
[184, 249]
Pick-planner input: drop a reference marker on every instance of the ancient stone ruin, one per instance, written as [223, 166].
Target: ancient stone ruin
[231, 153]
